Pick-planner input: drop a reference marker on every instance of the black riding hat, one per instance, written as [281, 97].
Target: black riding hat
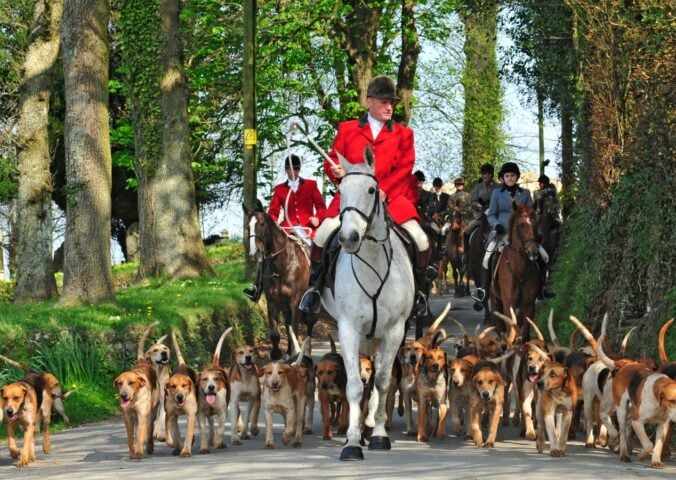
[420, 175]
[510, 167]
[437, 182]
[543, 179]
[487, 168]
[292, 160]
[382, 87]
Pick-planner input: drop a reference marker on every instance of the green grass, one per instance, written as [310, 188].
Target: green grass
[87, 347]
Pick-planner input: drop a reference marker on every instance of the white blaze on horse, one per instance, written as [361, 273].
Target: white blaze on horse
[372, 298]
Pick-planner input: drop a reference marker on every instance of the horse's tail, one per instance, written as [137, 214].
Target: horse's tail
[333, 344]
[219, 346]
[140, 352]
[660, 344]
[179, 355]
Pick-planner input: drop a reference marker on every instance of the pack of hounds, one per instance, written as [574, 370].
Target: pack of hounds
[607, 395]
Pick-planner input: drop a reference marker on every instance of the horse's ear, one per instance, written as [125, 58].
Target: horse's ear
[258, 206]
[247, 211]
[343, 161]
[369, 158]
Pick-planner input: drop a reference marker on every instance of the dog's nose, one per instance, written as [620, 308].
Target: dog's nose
[413, 359]
[123, 396]
[532, 369]
[163, 355]
[456, 383]
[485, 395]
[275, 384]
[248, 359]
[211, 388]
[325, 385]
[435, 367]
[179, 397]
[10, 412]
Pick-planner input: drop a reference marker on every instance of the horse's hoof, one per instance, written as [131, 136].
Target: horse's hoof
[351, 454]
[478, 306]
[380, 443]
[366, 435]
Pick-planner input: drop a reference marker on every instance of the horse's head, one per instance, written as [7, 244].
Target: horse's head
[359, 201]
[456, 220]
[258, 228]
[522, 231]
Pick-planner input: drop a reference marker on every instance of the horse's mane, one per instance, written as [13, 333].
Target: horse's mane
[274, 226]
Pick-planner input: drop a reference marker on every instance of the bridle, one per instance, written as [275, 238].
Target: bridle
[375, 209]
[265, 258]
[524, 241]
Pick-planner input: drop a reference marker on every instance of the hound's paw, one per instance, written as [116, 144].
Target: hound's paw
[625, 458]
[185, 453]
[657, 465]
[14, 452]
[176, 452]
[204, 451]
[254, 431]
[286, 439]
[645, 454]
[23, 461]
[489, 444]
[297, 444]
[422, 438]
[589, 445]
[269, 445]
[236, 441]
[412, 433]
[531, 435]
[556, 453]
[307, 430]
[136, 455]
[245, 435]
[326, 437]
[47, 449]
[220, 444]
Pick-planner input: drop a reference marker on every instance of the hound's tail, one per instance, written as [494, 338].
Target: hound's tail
[660, 345]
[219, 346]
[140, 353]
[18, 365]
[333, 344]
[179, 355]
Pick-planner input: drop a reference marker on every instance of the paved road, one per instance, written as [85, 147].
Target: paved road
[99, 451]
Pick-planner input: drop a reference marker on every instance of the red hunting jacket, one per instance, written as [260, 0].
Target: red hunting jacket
[304, 203]
[394, 158]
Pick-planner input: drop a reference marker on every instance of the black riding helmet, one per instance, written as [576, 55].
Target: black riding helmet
[510, 167]
[487, 168]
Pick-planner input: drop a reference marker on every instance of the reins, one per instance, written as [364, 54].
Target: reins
[388, 254]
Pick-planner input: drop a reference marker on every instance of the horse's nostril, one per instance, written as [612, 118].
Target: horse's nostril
[354, 236]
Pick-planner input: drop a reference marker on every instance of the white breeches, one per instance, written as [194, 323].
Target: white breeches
[500, 241]
[412, 227]
[322, 234]
[419, 236]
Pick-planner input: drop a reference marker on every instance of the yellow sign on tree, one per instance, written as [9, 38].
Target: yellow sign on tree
[250, 137]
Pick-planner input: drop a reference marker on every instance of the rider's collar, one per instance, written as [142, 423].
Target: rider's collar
[365, 119]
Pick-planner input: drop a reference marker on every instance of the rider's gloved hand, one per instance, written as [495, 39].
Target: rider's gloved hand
[499, 229]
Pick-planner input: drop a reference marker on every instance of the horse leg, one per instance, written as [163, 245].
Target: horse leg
[388, 350]
[273, 326]
[349, 342]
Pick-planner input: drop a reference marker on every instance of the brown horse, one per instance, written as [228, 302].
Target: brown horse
[285, 274]
[516, 279]
[455, 249]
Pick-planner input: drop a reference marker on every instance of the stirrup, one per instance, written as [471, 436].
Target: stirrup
[420, 303]
[252, 292]
[311, 301]
[431, 273]
[479, 295]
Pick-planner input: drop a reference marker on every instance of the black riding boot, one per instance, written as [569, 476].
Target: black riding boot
[254, 291]
[465, 247]
[481, 292]
[545, 290]
[424, 273]
[312, 299]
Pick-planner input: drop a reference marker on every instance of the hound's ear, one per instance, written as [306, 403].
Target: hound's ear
[565, 374]
[116, 384]
[142, 380]
[233, 360]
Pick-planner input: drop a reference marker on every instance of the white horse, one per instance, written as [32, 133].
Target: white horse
[374, 293]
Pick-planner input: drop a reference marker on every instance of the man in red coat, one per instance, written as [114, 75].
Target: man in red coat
[302, 207]
[392, 146]
[300, 201]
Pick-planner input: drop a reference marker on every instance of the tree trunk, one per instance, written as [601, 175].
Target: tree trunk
[87, 264]
[567, 160]
[360, 29]
[35, 273]
[179, 247]
[410, 49]
[482, 139]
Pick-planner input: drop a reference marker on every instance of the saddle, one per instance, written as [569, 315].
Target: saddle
[333, 249]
